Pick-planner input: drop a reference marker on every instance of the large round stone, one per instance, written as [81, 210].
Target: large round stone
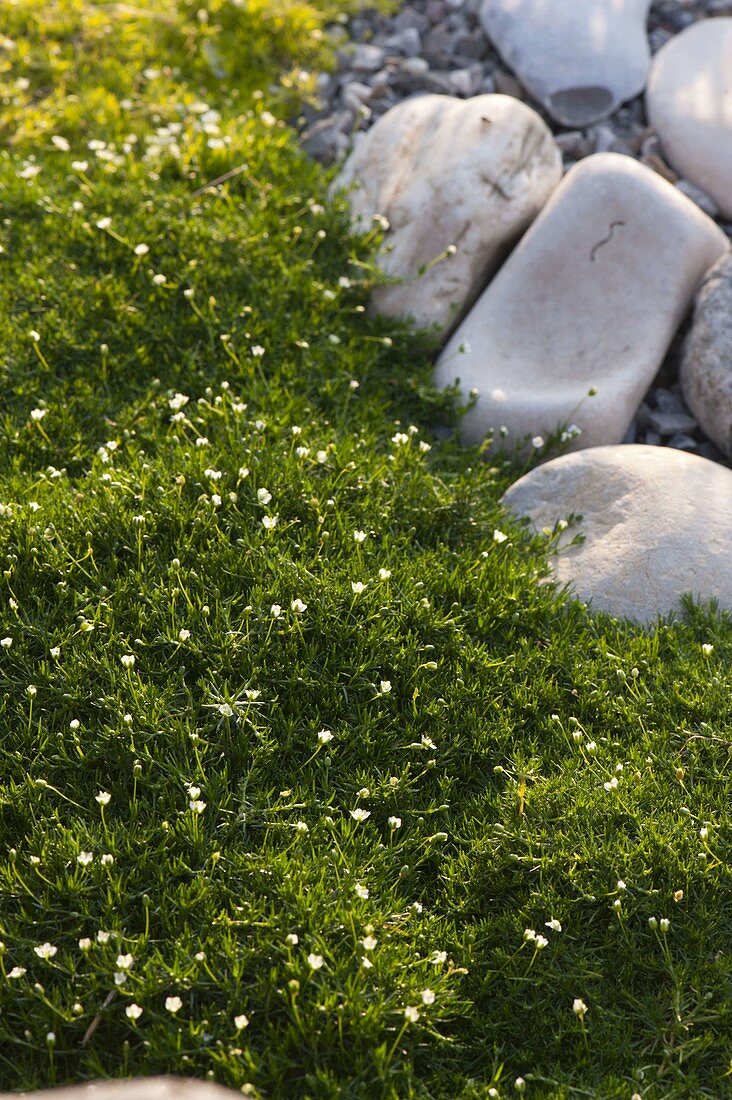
[590, 299]
[706, 365]
[580, 58]
[689, 102]
[657, 523]
[138, 1088]
[448, 174]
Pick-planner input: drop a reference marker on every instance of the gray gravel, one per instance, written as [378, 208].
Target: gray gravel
[440, 46]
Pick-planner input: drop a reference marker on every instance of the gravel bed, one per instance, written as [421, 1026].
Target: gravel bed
[440, 46]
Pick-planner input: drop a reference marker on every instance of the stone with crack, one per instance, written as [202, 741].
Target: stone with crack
[458, 182]
[588, 301]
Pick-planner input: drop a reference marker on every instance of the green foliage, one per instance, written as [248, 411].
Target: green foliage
[158, 404]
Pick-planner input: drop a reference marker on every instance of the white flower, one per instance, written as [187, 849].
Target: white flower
[652, 923]
[400, 438]
[80, 165]
[612, 784]
[141, 249]
[424, 447]
[369, 943]
[384, 687]
[183, 635]
[498, 536]
[707, 647]
[17, 972]
[257, 351]
[315, 961]
[104, 797]
[519, 1084]
[664, 924]
[438, 957]
[240, 1022]
[579, 1007]
[133, 1012]
[366, 963]
[202, 441]
[269, 522]
[298, 606]
[321, 457]
[302, 452]
[85, 943]
[554, 925]
[529, 935]
[395, 823]
[357, 587]
[45, 951]
[324, 736]
[173, 1004]
[540, 942]
[159, 279]
[194, 792]
[124, 962]
[275, 611]
[359, 536]
[361, 891]
[38, 414]
[704, 832]
[384, 574]
[107, 859]
[538, 442]
[302, 827]
[411, 1014]
[6, 643]
[84, 858]
[428, 997]
[55, 651]
[104, 223]
[128, 660]
[359, 814]
[196, 806]
[264, 496]
[292, 939]
[591, 748]
[103, 937]
[178, 401]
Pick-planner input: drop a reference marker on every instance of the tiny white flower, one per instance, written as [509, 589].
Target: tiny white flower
[384, 574]
[178, 401]
[384, 687]
[302, 452]
[292, 939]
[104, 223]
[411, 1014]
[159, 279]
[173, 1004]
[196, 805]
[537, 442]
[529, 935]
[315, 961]
[128, 660]
[107, 859]
[103, 937]
[359, 536]
[428, 997]
[264, 496]
[361, 891]
[125, 962]
[498, 536]
[298, 606]
[45, 951]
[269, 522]
[302, 827]
[664, 924]
[704, 832]
[612, 784]
[424, 447]
[438, 957]
[366, 963]
[142, 249]
[38, 414]
[55, 651]
[275, 611]
[257, 351]
[6, 643]
[554, 925]
[707, 647]
[17, 972]
[133, 1012]
[324, 736]
[85, 943]
[80, 165]
[321, 457]
[359, 814]
[183, 635]
[357, 587]
[652, 923]
[240, 1022]
[84, 858]
[369, 943]
[591, 748]
[104, 797]
[395, 823]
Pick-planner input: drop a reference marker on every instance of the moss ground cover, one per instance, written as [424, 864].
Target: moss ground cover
[308, 785]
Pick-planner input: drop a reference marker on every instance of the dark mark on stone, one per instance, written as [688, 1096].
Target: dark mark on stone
[605, 240]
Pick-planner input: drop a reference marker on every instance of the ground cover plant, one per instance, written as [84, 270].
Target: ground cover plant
[308, 784]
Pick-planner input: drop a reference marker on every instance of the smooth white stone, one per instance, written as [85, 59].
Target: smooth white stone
[657, 523]
[580, 58]
[689, 104]
[706, 364]
[138, 1088]
[449, 172]
[590, 298]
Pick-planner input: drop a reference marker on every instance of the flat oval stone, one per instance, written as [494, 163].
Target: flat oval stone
[657, 524]
[689, 104]
[448, 173]
[706, 363]
[590, 299]
[580, 58]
